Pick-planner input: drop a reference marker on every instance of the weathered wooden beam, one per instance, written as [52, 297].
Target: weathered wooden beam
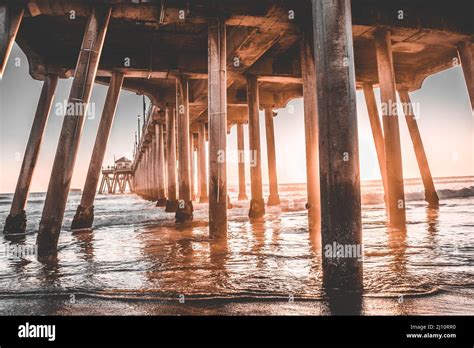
[160, 166]
[310, 105]
[246, 49]
[66, 153]
[257, 205]
[274, 198]
[430, 192]
[184, 213]
[16, 220]
[217, 121]
[154, 178]
[465, 55]
[280, 79]
[339, 154]
[85, 211]
[191, 166]
[172, 203]
[202, 163]
[241, 151]
[149, 175]
[393, 157]
[436, 17]
[377, 132]
[10, 20]
[145, 173]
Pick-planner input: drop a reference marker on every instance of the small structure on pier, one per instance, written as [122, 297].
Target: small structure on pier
[107, 180]
[117, 177]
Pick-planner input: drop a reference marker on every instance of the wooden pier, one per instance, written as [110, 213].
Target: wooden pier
[115, 179]
[207, 66]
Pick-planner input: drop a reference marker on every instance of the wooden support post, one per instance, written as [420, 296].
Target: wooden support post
[241, 151]
[191, 165]
[202, 163]
[465, 55]
[139, 175]
[145, 173]
[129, 179]
[160, 175]
[393, 155]
[376, 132]
[154, 176]
[10, 20]
[341, 225]
[85, 211]
[172, 203]
[150, 171]
[184, 213]
[198, 170]
[149, 174]
[217, 118]
[311, 128]
[159, 188]
[66, 153]
[430, 192]
[257, 205]
[274, 198]
[16, 220]
[136, 176]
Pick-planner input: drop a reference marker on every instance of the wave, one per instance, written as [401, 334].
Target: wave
[465, 192]
[236, 296]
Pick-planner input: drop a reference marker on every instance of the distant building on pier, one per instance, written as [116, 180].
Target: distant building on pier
[117, 177]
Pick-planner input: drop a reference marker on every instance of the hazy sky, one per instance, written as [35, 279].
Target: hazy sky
[446, 125]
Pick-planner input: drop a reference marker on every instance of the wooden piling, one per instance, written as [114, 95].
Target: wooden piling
[191, 166]
[16, 220]
[66, 153]
[274, 198]
[257, 205]
[217, 121]
[430, 192]
[85, 211]
[465, 55]
[310, 105]
[160, 167]
[11, 16]
[377, 133]
[146, 177]
[202, 163]
[184, 213]
[145, 173]
[241, 158]
[393, 156]
[154, 177]
[339, 154]
[149, 169]
[172, 203]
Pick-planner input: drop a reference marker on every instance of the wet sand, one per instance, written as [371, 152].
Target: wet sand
[453, 303]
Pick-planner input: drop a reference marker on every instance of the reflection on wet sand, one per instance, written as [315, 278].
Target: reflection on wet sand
[85, 241]
[432, 219]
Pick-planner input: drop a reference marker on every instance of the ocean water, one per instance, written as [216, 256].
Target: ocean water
[135, 261]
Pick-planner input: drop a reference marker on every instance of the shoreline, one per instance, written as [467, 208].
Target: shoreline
[443, 303]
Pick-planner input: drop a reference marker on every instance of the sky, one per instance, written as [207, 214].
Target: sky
[445, 120]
